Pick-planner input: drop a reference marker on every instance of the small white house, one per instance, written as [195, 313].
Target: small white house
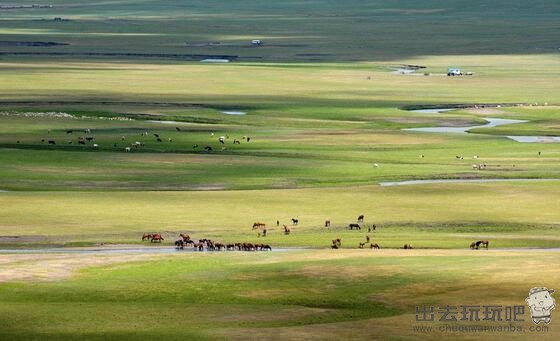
[454, 72]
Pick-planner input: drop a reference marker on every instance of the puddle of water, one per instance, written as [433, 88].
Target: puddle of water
[165, 122]
[491, 122]
[404, 71]
[234, 112]
[466, 181]
[535, 139]
[433, 111]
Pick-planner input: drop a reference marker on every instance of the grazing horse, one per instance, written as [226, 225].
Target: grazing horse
[185, 237]
[408, 247]
[327, 223]
[336, 243]
[476, 245]
[473, 245]
[374, 246]
[258, 225]
[179, 244]
[361, 218]
[156, 238]
[286, 230]
[356, 226]
[266, 247]
[295, 221]
[147, 236]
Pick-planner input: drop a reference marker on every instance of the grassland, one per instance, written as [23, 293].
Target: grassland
[325, 295]
[323, 30]
[325, 113]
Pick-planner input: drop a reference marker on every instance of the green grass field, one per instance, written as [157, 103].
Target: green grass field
[325, 111]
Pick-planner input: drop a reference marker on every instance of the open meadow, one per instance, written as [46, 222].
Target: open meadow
[112, 128]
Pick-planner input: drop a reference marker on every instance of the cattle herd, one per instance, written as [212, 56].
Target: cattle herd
[185, 241]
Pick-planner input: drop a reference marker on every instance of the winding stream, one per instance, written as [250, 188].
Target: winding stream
[491, 122]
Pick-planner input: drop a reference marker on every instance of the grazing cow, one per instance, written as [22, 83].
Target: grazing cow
[159, 140]
[230, 247]
[361, 245]
[354, 226]
[361, 218]
[235, 141]
[327, 223]
[266, 247]
[156, 135]
[82, 142]
[257, 225]
[123, 138]
[219, 246]
[146, 236]
[52, 142]
[485, 243]
[374, 246]
[248, 139]
[195, 146]
[177, 128]
[473, 245]
[127, 149]
[222, 139]
[208, 148]
[69, 131]
[95, 145]
[90, 138]
[408, 247]
[156, 238]
[185, 237]
[295, 221]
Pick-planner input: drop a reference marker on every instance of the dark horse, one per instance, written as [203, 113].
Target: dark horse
[361, 218]
[478, 244]
[179, 244]
[295, 221]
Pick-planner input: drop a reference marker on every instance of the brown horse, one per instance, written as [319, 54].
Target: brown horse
[374, 246]
[185, 237]
[473, 246]
[146, 236]
[258, 225]
[156, 238]
[485, 243]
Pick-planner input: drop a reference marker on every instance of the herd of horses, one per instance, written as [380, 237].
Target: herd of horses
[210, 245]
